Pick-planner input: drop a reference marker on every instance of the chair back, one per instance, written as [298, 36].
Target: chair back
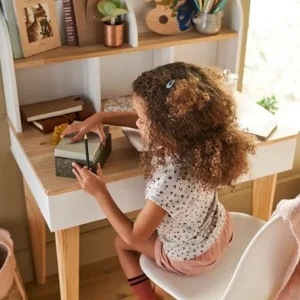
[265, 263]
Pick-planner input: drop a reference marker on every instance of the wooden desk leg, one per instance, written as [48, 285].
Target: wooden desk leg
[67, 247]
[263, 191]
[37, 229]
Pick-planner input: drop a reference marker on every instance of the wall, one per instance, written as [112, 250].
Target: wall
[96, 238]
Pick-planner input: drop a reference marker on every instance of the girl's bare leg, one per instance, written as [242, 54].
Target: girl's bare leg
[129, 258]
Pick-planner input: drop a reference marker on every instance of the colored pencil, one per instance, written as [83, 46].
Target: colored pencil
[209, 6]
[215, 4]
[200, 5]
[221, 4]
[197, 4]
[204, 5]
[87, 151]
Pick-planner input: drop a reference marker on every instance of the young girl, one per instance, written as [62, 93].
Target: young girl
[189, 123]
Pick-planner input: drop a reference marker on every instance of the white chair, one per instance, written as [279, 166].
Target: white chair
[253, 268]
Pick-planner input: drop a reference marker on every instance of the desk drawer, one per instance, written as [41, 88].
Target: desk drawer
[77, 208]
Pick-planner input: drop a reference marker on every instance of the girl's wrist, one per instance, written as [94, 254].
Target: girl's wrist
[102, 192]
[103, 117]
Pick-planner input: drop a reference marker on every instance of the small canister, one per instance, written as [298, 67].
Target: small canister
[230, 80]
[208, 24]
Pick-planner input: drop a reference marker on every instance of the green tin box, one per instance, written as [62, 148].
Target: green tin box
[66, 153]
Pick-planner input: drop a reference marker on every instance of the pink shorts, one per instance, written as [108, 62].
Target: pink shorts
[200, 264]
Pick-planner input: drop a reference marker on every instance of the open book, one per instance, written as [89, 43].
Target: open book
[135, 138]
[253, 118]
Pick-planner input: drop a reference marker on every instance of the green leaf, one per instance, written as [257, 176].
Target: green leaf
[100, 7]
[107, 18]
[269, 103]
[109, 7]
[262, 55]
[117, 3]
[118, 11]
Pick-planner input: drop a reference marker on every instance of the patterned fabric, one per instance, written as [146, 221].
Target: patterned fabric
[200, 264]
[118, 104]
[194, 218]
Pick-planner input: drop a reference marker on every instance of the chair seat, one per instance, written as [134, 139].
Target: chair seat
[213, 284]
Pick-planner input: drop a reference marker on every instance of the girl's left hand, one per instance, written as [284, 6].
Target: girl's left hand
[91, 183]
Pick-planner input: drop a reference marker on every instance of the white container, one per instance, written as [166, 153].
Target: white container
[230, 80]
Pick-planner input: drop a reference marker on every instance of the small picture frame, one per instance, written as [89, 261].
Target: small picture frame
[38, 25]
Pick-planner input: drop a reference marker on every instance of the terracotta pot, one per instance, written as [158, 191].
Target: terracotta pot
[113, 35]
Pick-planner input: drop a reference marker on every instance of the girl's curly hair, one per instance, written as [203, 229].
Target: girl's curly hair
[195, 120]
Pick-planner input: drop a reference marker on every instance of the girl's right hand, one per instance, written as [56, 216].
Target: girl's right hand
[92, 124]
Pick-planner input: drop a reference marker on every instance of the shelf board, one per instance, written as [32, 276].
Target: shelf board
[147, 41]
[122, 163]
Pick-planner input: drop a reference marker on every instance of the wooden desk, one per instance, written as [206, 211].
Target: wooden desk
[58, 202]
[61, 204]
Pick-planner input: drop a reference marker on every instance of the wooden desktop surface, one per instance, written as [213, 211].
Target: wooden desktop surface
[123, 162]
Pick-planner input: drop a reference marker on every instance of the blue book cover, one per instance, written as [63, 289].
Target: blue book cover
[10, 17]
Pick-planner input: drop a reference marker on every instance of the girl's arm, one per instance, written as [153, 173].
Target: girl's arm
[132, 233]
[122, 118]
[96, 121]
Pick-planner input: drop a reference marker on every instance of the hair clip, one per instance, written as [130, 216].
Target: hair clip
[170, 83]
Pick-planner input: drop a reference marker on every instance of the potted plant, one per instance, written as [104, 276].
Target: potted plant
[112, 10]
[269, 103]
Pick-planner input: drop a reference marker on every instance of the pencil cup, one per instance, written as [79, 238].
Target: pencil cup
[208, 24]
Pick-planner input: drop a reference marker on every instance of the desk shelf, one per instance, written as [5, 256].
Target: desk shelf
[147, 41]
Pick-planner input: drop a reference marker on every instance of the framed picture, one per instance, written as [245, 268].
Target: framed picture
[38, 25]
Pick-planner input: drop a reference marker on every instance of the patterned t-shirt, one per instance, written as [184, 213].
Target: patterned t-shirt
[194, 218]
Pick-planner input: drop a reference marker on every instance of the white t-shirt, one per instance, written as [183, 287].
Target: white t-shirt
[194, 218]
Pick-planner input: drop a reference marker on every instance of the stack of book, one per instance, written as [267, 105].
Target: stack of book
[47, 115]
[66, 153]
